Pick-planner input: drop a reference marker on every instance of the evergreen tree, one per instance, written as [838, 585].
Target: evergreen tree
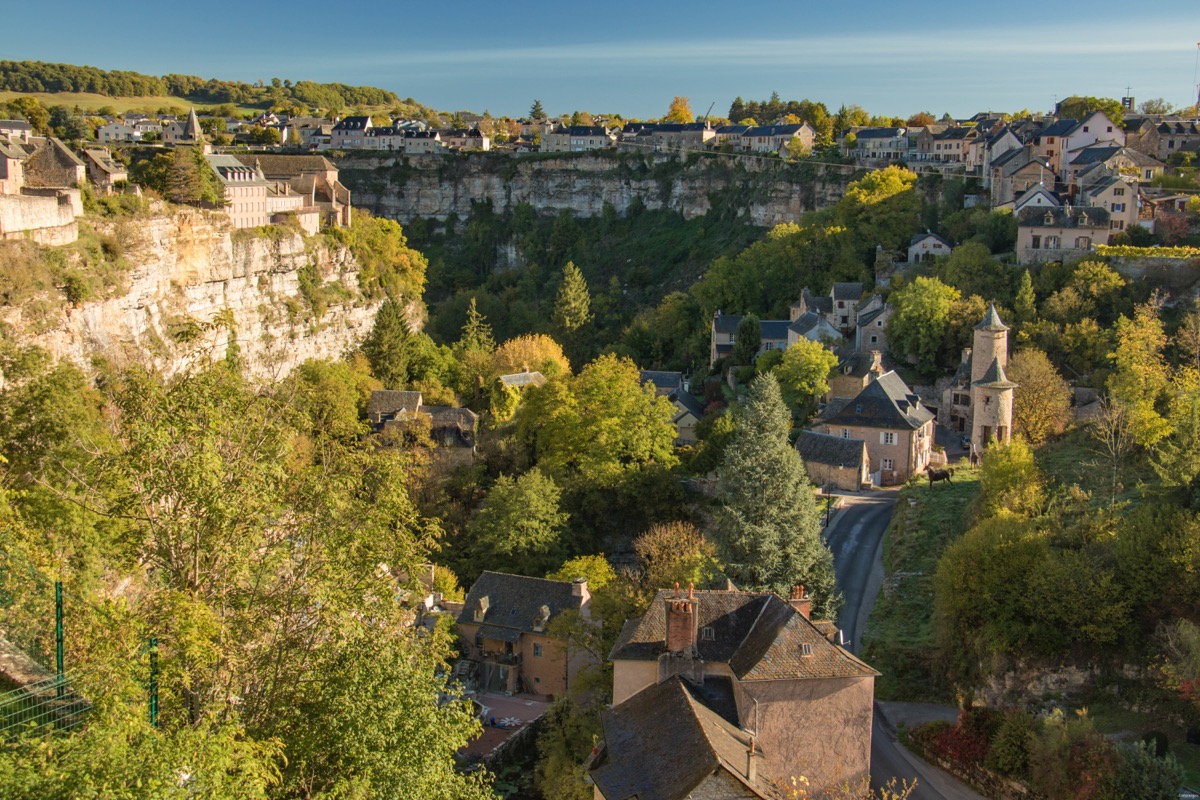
[747, 340]
[768, 525]
[387, 346]
[536, 112]
[476, 332]
[1025, 302]
[183, 184]
[572, 307]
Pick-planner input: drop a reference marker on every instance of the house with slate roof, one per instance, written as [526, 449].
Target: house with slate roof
[106, 173]
[927, 246]
[17, 130]
[726, 694]
[577, 138]
[350, 133]
[883, 144]
[889, 417]
[688, 410]
[1050, 234]
[452, 429]
[832, 461]
[313, 177]
[187, 132]
[777, 138]
[723, 333]
[1118, 196]
[504, 628]
[1017, 171]
[1102, 160]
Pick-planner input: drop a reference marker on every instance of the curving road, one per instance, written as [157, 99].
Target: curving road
[855, 536]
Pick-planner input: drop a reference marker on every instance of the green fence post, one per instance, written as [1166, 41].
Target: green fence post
[58, 638]
[154, 682]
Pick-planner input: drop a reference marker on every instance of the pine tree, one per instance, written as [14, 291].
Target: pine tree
[476, 332]
[387, 346]
[768, 525]
[572, 307]
[1025, 303]
[183, 184]
[536, 112]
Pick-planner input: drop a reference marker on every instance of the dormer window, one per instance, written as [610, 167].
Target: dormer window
[806, 649]
[1049, 219]
[858, 408]
[707, 634]
[479, 615]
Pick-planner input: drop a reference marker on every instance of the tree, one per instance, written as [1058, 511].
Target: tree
[971, 269]
[920, 120]
[520, 526]
[1155, 105]
[1078, 107]
[535, 352]
[1025, 302]
[680, 110]
[767, 527]
[572, 305]
[388, 346]
[804, 371]
[1042, 404]
[536, 112]
[921, 319]
[1112, 432]
[1187, 338]
[595, 569]
[677, 552]
[746, 341]
[1140, 375]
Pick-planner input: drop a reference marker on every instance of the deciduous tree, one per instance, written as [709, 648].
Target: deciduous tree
[1042, 404]
[519, 528]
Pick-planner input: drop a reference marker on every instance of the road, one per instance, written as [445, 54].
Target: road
[855, 536]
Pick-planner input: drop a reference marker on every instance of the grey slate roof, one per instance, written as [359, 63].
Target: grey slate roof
[1088, 217]
[662, 743]
[773, 329]
[514, 601]
[886, 402]
[759, 635]
[991, 320]
[821, 448]
[664, 382]
[726, 323]
[866, 319]
[388, 402]
[352, 124]
[688, 401]
[805, 322]
[822, 304]
[995, 378]
[847, 291]
[917, 237]
[879, 133]
[1059, 127]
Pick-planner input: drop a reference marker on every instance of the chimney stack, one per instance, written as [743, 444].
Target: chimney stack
[682, 621]
[966, 355]
[877, 362]
[751, 763]
[799, 602]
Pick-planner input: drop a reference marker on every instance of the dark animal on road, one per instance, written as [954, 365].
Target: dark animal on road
[936, 475]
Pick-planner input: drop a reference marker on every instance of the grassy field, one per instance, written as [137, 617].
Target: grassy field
[898, 640]
[1121, 723]
[92, 102]
[1075, 459]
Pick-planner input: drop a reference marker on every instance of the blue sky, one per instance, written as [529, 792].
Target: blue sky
[889, 56]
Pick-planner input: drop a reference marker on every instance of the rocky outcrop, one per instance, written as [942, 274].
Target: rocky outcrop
[195, 289]
[763, 191]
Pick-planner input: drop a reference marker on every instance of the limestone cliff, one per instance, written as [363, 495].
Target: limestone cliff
[763, 191]
[192, 286]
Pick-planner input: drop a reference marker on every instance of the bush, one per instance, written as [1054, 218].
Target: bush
[1141, 774]
[1158, 741]
[1009, 751]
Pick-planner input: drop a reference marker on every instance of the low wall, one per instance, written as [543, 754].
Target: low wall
[1173, 273]
[47, 220]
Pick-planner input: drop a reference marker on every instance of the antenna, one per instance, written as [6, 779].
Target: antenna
[713, 103]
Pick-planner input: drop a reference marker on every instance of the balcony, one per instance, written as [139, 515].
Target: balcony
[503, 659]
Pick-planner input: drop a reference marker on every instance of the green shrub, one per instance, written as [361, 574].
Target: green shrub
[1009, 751]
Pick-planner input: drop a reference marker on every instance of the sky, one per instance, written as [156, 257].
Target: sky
[631, 57]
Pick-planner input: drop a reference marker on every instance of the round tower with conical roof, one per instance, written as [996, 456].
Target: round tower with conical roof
[991, 390]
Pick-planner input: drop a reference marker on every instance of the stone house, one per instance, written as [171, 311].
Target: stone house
[53, 165]
[184, 133]
[1174, 135]
[777, 138]
[688, 410]
[453, 430]
[245, 190]
[945, 144]
[854, 371]
[107, 174]
[16, 130]
[12, 168]
[773, 334]
[466, 139]
[504, 629]
[577, 138]
[723, 694]
[1049, 234]
[832, 461]
[882, 144]
[1097, 160]
[927, 246]
[870, 330]
[668, 136]
[1118, 196]
[117, 131]
[313, 177]
[1017, 171]
[890, 418]
[350, 133]
[980, 398]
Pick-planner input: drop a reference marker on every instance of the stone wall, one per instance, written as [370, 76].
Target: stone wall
[764, 191]
[48, 220]
[194, 290]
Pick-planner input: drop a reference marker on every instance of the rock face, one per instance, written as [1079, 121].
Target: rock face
[764, 191]
[194, 289]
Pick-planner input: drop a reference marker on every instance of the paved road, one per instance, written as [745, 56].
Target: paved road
[855, 536]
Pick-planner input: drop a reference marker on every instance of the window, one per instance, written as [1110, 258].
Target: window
[874, 339]
[806, 649]
[845, 433]
[1110, 129]
[1118, 192]
[1118, 206]
[888, 464]
[479, 615]
[707, 634]
[858, 408]
[478, 641]
[1083, 243]
[537, 651]
[1037, 243]
[768, 345]
[878, 323]
[887, 437]
[1053, 242]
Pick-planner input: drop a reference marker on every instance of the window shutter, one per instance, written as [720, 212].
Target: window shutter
[883, 438]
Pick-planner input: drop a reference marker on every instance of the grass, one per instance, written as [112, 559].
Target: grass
[1074, 459]
[91, 102]
[898, 640]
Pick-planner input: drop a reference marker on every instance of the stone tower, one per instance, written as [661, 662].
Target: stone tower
[991, 390]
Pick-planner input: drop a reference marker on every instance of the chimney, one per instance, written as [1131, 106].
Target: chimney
[799, 602]
[877, 362]
[966, 355]
[751, 762]
[682, 621]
